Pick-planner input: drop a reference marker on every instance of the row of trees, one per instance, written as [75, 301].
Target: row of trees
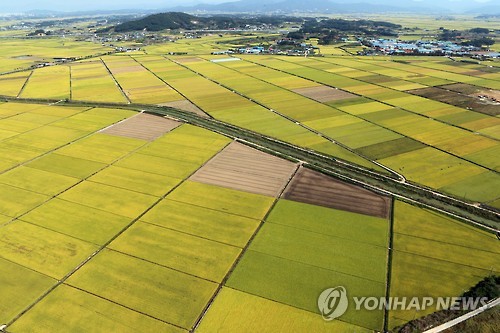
[477, 37]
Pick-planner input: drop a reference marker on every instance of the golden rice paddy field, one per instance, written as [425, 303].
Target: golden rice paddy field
[19, 53]
[116, 220]
[124, 228]
[365, 110]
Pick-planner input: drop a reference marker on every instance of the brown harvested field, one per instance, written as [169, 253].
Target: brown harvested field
[474, 65]
[246, 169]
[185, 105]
[462, 88]
[315, 188]
[142, 126]
[324, 94]
[472, 101]
[473, 73]
[486, 95]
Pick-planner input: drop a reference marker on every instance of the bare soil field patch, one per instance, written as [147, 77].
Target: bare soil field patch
[142, 126]
[324, 94]
[185, 105]
[462, 88]
[312, 187]
[474, 101]
[473, 73]
[246, 169]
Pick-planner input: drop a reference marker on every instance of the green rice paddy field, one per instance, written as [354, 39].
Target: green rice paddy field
[111, 229]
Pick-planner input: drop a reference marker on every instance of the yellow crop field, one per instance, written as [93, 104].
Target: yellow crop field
[11, 84]
[90, 81]
[45, 251]
[48, 83]
[108, 316]
[229, 180]
[236, 310]
[19, 53]
[140, 85]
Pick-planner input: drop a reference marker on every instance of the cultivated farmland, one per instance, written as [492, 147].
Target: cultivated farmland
[369, 111]
[139, 85]
[92, 81]
[430, 249]
[132, 216]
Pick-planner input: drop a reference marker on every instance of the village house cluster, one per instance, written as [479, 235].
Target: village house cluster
[398, 47]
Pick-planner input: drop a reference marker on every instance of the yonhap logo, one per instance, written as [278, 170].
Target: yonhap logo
[332, 303]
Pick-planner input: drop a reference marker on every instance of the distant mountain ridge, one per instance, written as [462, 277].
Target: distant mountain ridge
[344, 6]
[289, 6]
[436, 7]
[179, 20]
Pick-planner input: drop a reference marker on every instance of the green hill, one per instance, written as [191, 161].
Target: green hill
[177, 20]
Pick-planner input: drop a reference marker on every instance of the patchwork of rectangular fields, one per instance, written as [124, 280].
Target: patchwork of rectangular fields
[254, 206]
[302, 250]
[145, 287]
[333, 72]
[432, 167]
[194, 255]
[113, 220]
[138, 83]
[226, 105]
[272, 96]
[78, 221]
[429, 249]
[91, 81]
[19, 53]
[395, 136]
[34, 130]
[315, 92]
[66, 205]
[216, 225]
[148, 232]
[42, 250]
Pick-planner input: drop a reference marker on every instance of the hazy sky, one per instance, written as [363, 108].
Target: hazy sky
[73, 5]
